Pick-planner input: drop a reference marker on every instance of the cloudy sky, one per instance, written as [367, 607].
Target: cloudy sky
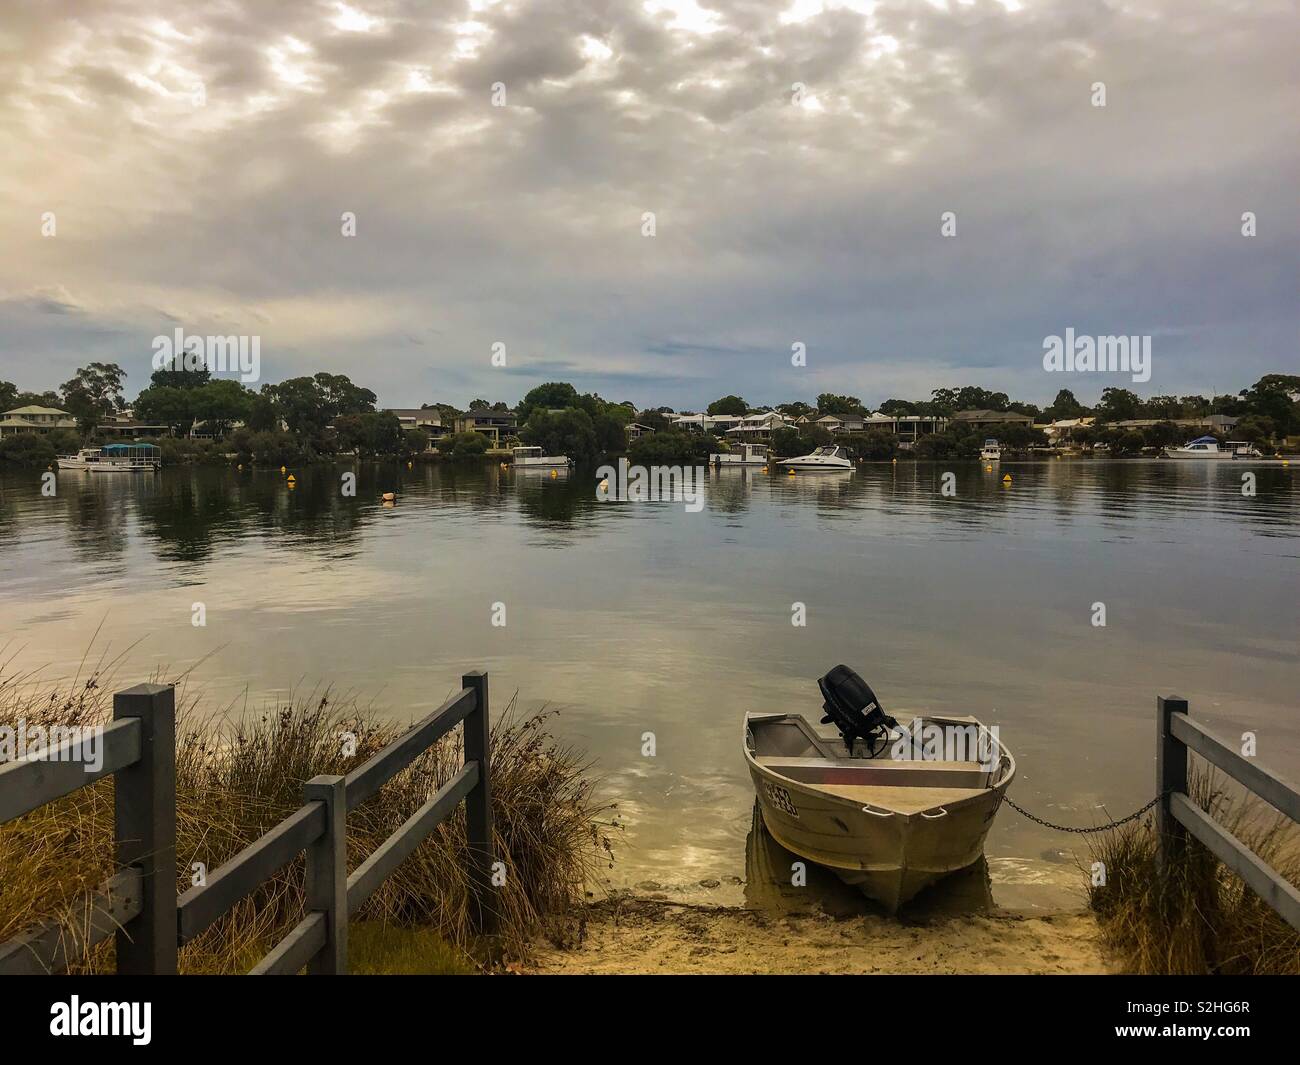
[797, 156]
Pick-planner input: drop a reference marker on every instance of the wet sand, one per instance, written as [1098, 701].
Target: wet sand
[636, 935]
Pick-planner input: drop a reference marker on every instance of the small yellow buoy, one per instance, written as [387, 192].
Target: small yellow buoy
[282, 469]
[1006, 478]
[293, 479]
[388, 497]
[554, 474]
[988, 469]
[792, 473]
[893, 462]
[765, 469]
[409, 465]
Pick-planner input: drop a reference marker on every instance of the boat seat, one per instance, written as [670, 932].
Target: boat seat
[902, 800]
[879, 772]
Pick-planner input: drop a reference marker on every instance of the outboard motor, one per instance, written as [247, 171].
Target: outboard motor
[857, 713]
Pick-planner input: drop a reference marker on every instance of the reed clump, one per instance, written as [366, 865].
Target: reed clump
[1199, 917]
[237, 776]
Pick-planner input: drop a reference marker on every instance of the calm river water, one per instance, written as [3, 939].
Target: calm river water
[642, 617]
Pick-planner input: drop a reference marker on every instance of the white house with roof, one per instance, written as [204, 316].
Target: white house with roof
[757, 427]
[35, 419]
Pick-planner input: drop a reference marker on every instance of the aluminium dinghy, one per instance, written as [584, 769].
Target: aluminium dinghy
[890, 804]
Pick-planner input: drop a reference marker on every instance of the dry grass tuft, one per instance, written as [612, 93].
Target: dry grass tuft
[1204, 919]
[236, 778]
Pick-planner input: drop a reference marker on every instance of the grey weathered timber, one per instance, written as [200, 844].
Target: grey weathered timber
[144, 806]
[27, 784]
[368, 778]
[400, 845]
[1261, 878]
[139, 904]
[1171, 774]
[478, 804]
[327, 875]
[295, 950]
[1181, 817]
[49, 946]
[1273, 789]
[244, 873]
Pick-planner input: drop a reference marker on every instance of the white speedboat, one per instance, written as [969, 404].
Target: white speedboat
[127, 458]
[991, 451]
[82, 460]
[1206, 448]
[885, 811]
[743, 455]
[831, 457]
[531, 458]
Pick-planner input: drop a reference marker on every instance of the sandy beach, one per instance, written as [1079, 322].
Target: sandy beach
[635, 935]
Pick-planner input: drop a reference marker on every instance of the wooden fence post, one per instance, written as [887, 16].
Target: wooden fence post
[144, 818]
[327, 875]
[478, 804]
[1171, 776]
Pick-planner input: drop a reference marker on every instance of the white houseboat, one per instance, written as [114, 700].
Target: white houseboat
[741, 455]
[531, 458]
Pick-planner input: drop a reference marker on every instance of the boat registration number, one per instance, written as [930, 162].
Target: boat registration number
[780, 798]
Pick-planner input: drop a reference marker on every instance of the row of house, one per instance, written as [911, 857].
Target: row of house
[907, 427]
[499, 426]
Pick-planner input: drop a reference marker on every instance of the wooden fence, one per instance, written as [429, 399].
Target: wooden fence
[139, 904]
[1176, 734]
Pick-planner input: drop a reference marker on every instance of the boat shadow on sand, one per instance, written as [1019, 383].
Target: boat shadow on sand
[769, 885]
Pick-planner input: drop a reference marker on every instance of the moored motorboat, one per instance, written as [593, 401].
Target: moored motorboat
[991, 451]
[831, 457]
[1207, 448]
[82, 460]
[891, 804]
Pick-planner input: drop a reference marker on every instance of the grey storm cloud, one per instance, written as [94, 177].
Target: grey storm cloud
[198, 159]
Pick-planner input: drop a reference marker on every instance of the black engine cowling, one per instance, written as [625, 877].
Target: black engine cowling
[853, 707]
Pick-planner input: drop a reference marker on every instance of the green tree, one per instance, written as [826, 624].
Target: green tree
[94, 393]
[8, 396]
[567, 432]
[168, 405]
[180, 377]
[609, 427]
[1065, 406]
[26, 449]
[874, 444]
[221, 402]
[829, 403]
[464, 445]
[729, 405]
[672, 447]
[554, 395]
[1118, 405]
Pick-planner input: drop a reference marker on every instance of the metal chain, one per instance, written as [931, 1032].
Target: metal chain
[1085, 831]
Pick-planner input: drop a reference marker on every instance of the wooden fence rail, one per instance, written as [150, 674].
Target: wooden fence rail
[139, 904]
[1176, 734]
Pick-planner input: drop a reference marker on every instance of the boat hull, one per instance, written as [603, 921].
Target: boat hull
[890, 859]
[888, 854]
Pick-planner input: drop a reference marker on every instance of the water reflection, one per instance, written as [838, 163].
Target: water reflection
[769, 886]
[644, 617]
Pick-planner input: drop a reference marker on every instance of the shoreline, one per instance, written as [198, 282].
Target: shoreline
[635, 935]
